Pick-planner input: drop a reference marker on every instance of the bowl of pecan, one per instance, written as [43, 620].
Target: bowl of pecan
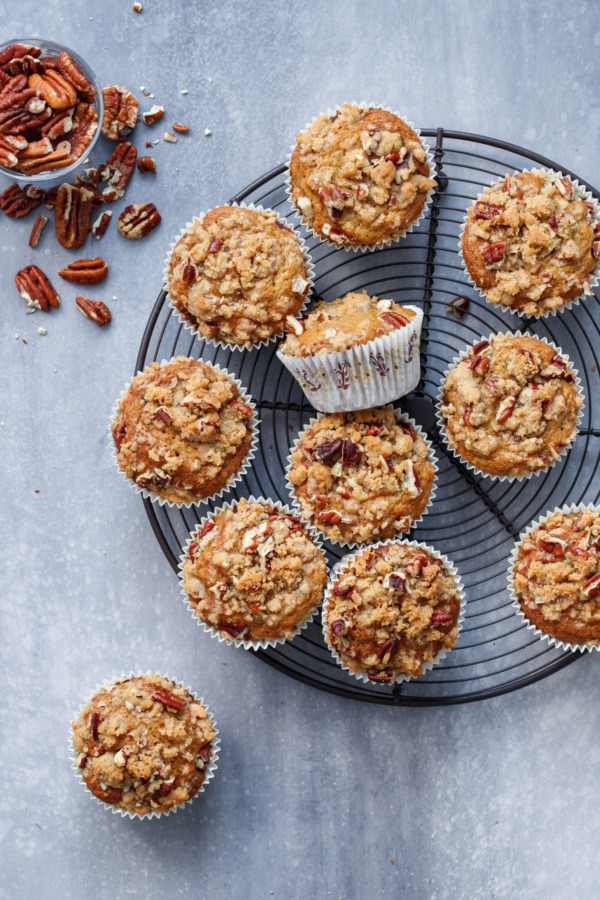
[50, 109]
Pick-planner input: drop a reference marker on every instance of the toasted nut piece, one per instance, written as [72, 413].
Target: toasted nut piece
[54, 89]
[180, 129]
[146, 164]
[138, 219]
[58, 159]
[37, 149]
[9, 146]
[153, 115]
[458, 306]
[69, 69]
[123, 161]
[72, 215]
[169, 699]
[38, 226]
[101, 224]
[120, 112]
[15, 51]
[33, 286]
[85, 126]
[170, 138]
[95, 310]
[17, 202]
[85, 271]
[15, 117]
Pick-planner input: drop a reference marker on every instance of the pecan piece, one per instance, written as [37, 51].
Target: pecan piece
[493, 253]
[329, 517]
[95, 310]
[120, 112]
[85, 125]
[72, 215]
[58, 159]
[440, 617]
[54, 89]
[233, 631]
[168, 699]
[382, 679]
[70, 70]
[137, 220]
[190, 271]
[101, 224]
[16, 51]
[480, 364]
[146, 164]
[180, 129]
[119, 431]
[94, 722]
[409, 428]
[215, 245]
[153, 115]
[458, 306]
[33, 286]
[58, 125]
[507, 404]
[328, 452]
[486, 210]
[85, 271]
[388, 650]
[38, 226]
[351, 453]
[208, 526]
[480, 347]
[122, 159]
[394, 319]
[9, 147]
[17, 202]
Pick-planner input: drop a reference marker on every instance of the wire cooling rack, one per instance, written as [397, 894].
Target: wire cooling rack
[473, 520]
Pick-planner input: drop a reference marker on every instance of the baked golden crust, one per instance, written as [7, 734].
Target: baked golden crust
[361, 476]
[143, 744]
[557, 576]
[510, 406]
[253, 572]
[182, 430]
[344, 323]
[359, 176]
[391, 609]
[529, 242]
[237, 275]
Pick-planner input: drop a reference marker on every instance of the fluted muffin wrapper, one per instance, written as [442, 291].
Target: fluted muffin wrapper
[346, 560]
[219, 342]
[297, 508]
[561, 645]
[584, 194]
[262, 643]
[209, 770]
[441, 421]
[232, 480]
[384, 243]
[371, 374]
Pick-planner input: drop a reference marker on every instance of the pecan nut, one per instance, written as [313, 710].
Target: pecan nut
[72, 215]
[122, 160]
[58, 159]
[95, 310]
[15, 115]
[69, 69]
[146, 164]
[16, 51]
[85, 271]
[17, 202]
[120, 112]
[101, 224]
[58, 125]
[33, 286]
[38, 226]
[85, 126]
[169, 699]
[137, 220]
[54, 89]
[10, 145]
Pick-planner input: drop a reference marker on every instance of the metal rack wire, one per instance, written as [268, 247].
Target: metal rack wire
[473, 520]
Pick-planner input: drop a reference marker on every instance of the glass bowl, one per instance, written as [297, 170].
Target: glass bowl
[51, 48]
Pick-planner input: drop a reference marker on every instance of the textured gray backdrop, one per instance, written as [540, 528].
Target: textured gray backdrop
[315, 797]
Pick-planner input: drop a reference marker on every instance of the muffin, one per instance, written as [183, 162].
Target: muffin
[530, 242]
[235, 275]
[354, 352]
[145, 745]
[555, 576]
[510, 407]
[251, 572]
[361, 476]
[182, 430]
[391, 610]
[359, 177]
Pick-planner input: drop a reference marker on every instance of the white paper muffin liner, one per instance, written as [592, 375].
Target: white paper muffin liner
[209, 771]
[583, 194]
[356, 246]
[297, 509]
[513, 559]
[371, 374]
[311, 532]
[232, 480]
[450, 568]
[441, 421]
[219, 342]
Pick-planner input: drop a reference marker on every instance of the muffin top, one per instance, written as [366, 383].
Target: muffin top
[342, 324]
[510, 405]
[143, 744]
[557, 576]
[529, 242]
[253, 572]
[390, 610]
[237, 275]
[182, 430]
[359, 176]
[361, 476]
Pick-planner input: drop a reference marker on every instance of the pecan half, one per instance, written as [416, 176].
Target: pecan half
[137, 220]
[58, 159]
[168, 699]
[9, 147]
[54, 89]
[146, 164]
[120, 112]
[95, 310]
[72, 215]
[58, 125]
[17, 202]
[85, 126]
[123, 161]
[38, 226]
[85, 271]
[486, 210]
[69, 69]
[394, 319]
[33, 286]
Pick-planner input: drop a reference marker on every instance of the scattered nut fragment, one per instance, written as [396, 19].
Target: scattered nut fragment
[72, 215]
[120, 112]
[207, 131]
[148, 143]
[137, 7]
[137, 220]
[153, 114]
[85, 271]
[33, 286]
[101, 224]
[122, 160]
[38, 226]
[458, 306]
[146, 164]
[17, 202]
[42, 331]
[168, 136]
[95, 310]
[180, 129]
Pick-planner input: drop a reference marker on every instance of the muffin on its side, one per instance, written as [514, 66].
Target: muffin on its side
[144, 744]
[182, 430]
[391, 609]
[360, 176]
[252, 572]
[510, 407]
[531, 242]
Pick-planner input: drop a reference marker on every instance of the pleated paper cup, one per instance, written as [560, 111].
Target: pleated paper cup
[441, 421]
[233, 479]
[219, 342]
[514, 559]
[581, 194]
[209, 771]
[396, 237]
[346, 560]
[371, 374]
[240, 641]
[297, 508]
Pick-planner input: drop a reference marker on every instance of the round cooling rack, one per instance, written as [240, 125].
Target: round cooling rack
[473, 520]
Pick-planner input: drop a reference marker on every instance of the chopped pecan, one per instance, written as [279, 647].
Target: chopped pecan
[505, 408]
[54, 89]
[153, 115]
[493, 253]
[17, 202]
[94, 722]
[101, 224]
[85, 125]
[351, 453]
[208, 526]
[486, 210]
[70, 70]
[146, 164]
[190, 271]
[122, 159]
[95, 310]
[409, 428]
[38, 226]
[329, 517]
[394, 319]
[388, 650]
[120, 112]
[480, 347]
[215, 245]
[85, 271]
[480, 364]
[33, 286]
[72, 215]
[328, 452]
[164, 415]
[169, 699]
[180, 129]
[137, 220]
[458, 306]
[440, 617]
[119, 430]
[233, 631]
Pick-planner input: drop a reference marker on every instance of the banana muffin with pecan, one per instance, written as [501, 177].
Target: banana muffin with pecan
[510, 406]
[556, 576]
[144, 744]
[253, 572]
[531, 241]
[182, 430]
[361, 476]
[360, 176]
[236, 275]
[390, 610]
